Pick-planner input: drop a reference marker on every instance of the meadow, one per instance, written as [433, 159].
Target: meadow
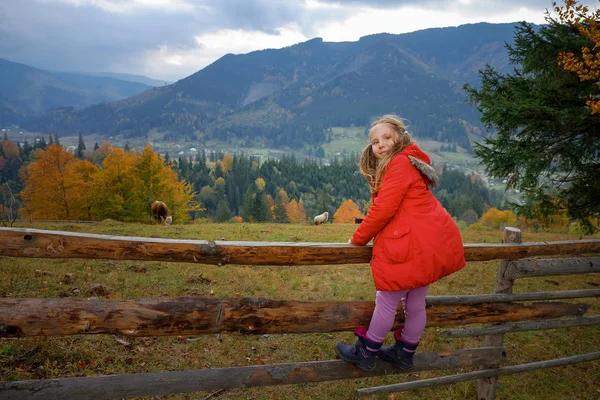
[50, 357]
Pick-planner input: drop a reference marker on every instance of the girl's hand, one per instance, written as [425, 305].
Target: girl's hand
[350, 241]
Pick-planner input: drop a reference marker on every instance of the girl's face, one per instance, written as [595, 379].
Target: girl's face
[383, 138]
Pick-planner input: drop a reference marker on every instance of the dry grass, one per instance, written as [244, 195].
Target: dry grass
[35, 358]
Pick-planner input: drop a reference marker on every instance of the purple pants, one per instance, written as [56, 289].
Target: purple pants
[384, 315]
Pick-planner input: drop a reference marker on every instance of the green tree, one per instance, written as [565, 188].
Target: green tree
[223, 213]
[80, 147]
[546, 139]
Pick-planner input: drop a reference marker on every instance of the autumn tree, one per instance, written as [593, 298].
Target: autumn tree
[155, 178]
[53, 185]
[117, 187]
[546, 140]
[346, 213]
[295, 212]
[86, 171]
[279, 210]
[129, 182]
[226, 163]
[496, 218]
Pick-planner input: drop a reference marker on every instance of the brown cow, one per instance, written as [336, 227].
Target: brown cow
[160, 212]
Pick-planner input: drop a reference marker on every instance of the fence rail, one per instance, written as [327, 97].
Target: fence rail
[197, 316]
[37, 243]
[470, 376]
[522, 327]
[206, 380]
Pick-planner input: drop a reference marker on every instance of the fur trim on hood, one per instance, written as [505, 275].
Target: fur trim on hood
[421, 161]
[431, 178]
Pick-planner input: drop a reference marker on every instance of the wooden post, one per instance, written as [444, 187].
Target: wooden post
[486, 387]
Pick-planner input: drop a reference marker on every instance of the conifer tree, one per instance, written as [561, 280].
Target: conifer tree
[223, 213]
[546, 139]
[80, 147]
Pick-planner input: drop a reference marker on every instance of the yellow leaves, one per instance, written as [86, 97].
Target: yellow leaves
[282, 197]
[295, 212]
[347, 212]
[57, 185]
[260, 184]
[587, 67]
[219, 185]
[226, 163]
[494, 217]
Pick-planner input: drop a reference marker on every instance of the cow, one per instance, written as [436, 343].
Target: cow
[160, 212]
[321, 218]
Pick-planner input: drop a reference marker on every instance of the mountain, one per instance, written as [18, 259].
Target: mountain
[289, 97]
[130, 78]
[26, 91]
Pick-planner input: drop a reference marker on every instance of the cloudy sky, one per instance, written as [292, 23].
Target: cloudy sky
[171, 39]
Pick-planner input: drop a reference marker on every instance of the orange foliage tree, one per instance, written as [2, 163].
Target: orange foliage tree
[295, 212]
[586, 66]
[57, 185]
[346, 213]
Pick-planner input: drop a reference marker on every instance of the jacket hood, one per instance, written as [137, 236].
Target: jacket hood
[422, 163]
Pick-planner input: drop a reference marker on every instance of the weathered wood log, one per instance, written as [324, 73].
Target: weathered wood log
[469, 376]
[510, 297]
[162, 383]
[486, 388]
[559, 266]
[59, 244]
[522, 327]
[197, 316]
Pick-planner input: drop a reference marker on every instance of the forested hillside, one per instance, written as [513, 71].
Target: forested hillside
[289, 97]
[46, 181]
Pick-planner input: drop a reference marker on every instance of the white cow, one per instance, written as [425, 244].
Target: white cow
[321, 218]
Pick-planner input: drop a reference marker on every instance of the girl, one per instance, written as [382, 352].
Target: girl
[416, 243]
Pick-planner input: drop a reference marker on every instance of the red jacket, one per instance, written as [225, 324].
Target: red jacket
[416, 241]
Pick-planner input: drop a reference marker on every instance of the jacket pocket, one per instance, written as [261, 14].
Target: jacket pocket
[396, 244]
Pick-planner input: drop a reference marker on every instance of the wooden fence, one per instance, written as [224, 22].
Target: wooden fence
[501, 311]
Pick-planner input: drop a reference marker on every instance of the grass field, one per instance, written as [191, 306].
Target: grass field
[35, 358]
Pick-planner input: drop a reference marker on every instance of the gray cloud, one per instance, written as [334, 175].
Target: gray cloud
[89, 38]
[489, 4]
[56, 34]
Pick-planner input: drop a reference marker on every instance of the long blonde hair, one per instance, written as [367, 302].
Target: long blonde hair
[372, 168]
